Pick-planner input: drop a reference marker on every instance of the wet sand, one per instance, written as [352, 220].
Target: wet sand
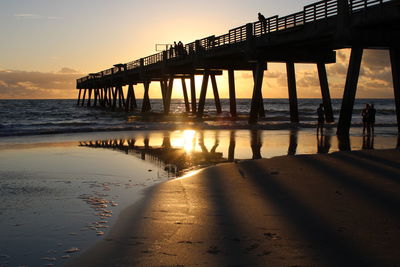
[337, 209]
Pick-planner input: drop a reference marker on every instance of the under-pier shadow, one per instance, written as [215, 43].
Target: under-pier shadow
[320, 236]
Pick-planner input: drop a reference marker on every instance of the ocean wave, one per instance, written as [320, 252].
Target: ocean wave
[37, 117]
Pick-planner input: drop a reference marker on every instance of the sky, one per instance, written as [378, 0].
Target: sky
[46, 45]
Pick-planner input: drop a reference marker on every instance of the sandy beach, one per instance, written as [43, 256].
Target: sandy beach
[338, 209]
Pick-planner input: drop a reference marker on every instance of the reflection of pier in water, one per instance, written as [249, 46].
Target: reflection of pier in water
[177, 153]
[173, 159]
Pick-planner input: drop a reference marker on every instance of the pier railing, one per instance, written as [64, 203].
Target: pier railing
[311, 13]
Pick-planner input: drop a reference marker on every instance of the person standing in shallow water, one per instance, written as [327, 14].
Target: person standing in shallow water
[364, 114]
[371, 117]
[321, 119]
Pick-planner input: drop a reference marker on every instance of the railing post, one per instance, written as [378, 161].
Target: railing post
[165, 55]
[315, 12]
[326, 9]
[343, 9]
[141, 62]
[197, 46]
[249, 33]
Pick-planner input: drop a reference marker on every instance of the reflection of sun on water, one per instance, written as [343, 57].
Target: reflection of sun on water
[186, 140]
[189, 140]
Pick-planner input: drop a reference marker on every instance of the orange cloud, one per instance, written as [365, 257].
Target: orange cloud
[16, 84]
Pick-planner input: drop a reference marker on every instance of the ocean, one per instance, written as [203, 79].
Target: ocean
[36, 117]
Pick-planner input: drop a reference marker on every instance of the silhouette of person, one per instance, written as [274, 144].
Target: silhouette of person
[180, 48]
[321, 119]
[171, 51]
[175, 49]
[323, 143]
[263, 21]
[364, 114]
[368, 142]
[371, 117]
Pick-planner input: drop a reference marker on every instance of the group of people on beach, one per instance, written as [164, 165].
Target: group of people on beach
[177, 49]
[368, 118]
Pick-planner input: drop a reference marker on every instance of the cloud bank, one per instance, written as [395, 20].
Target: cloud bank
[375, 79]
[38, 85]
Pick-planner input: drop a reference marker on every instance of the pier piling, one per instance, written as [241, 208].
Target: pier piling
[193, 93]
[346, 111]
[185, 95]
[257, 95]
[326, 97]
[291, 80]
[146, 106]
[232, 92]
[395, 62]
[89, 97]
[216, 94]
[79, 96]
[203, 93]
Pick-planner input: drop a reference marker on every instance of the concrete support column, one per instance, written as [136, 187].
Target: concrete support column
[261, 111]
[146, 106]
[216, 94]
[203, 93]
[96, 94]
[133, 98]
[89, 97]
[256, 99]
[110, 96]
[291, 78]
[84, 96]
[193, 93]
[168, 94]
[185, 95]
[114, 95]
[326, 97]
[105, 96]
[121, 94]
[232, 92]
[101, 96]
[346, 111]
[395, 62]
[79, 96]
[163, 85]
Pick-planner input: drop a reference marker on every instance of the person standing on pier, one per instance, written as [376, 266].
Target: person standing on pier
[263, 21]
[180, 48]
[321, 119]
[175, 49]
[171, 51]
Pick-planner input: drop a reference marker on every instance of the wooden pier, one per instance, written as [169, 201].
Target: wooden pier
[309, 36]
